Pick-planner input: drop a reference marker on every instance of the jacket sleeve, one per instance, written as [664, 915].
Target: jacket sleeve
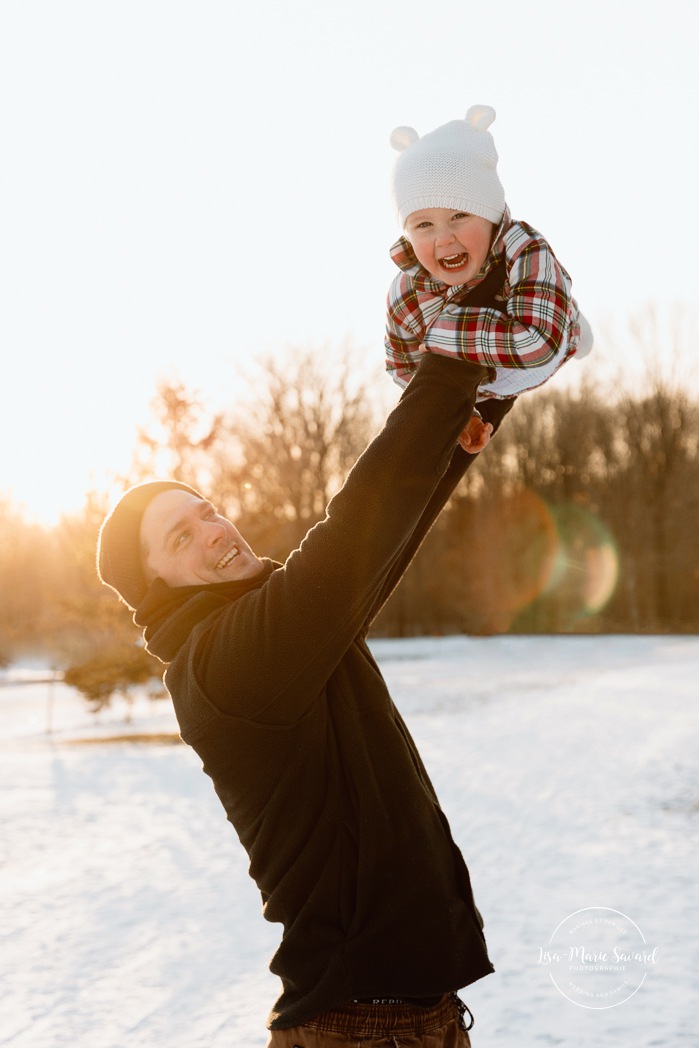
[493, 411]
[540, 316]
[269, 654]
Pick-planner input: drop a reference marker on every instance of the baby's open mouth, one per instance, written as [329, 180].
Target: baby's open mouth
[454, 261]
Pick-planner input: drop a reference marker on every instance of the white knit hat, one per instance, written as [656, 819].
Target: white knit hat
[453, 166]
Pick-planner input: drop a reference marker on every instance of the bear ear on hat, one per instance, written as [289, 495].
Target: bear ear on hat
[480, 117]
[402, 137]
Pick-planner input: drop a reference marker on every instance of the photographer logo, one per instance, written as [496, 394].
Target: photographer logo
[598, 957]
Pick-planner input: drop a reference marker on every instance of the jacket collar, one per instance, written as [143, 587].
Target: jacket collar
[167, 615]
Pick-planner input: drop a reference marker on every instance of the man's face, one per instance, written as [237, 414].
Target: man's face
[185, 542]
[451, 245]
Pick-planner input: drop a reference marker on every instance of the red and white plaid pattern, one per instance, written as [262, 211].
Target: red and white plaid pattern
[527, 342]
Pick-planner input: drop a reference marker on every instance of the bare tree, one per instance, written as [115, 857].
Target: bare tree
[660, 433]
[23, 586]
[293, 444]
[181, 439]
[626, 459]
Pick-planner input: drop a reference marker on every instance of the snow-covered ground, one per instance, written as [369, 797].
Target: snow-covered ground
[568, 769]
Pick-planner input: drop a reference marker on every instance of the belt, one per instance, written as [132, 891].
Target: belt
[358, 1020]
[419, 1002]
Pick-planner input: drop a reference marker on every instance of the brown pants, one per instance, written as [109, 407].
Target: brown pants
[379, 1026]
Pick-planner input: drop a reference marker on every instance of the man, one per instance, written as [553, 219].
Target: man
[275, 688]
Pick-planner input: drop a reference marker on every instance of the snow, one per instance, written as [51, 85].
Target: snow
[567, 767]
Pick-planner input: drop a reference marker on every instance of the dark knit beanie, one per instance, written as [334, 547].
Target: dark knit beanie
[119, 545]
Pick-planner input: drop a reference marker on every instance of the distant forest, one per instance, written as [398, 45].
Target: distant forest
[581, 515]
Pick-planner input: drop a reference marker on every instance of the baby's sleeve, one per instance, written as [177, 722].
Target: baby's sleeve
[405, 330]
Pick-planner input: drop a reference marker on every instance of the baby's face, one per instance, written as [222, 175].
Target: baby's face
[451, 245]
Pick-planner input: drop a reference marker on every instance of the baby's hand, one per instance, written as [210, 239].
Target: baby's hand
[476, 435]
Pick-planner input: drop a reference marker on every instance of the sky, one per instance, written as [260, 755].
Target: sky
[186, 185]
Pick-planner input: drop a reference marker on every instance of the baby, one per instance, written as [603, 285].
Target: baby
[473, 283]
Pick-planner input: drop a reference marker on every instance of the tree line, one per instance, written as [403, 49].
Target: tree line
[579, 517]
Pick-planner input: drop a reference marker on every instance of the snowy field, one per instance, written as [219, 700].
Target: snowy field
[568, 769]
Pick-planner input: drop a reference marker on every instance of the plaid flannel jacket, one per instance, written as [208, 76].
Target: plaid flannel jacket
[536, 331]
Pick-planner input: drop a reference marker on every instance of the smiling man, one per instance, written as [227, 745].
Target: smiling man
[275, 688]
[185, 542]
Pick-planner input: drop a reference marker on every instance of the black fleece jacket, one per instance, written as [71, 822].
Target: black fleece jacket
[276, 690]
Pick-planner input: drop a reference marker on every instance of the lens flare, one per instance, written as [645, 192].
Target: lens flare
[539, 565]
[513, 551]
[587, 568]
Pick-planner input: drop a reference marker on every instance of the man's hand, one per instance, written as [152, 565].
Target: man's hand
[476, 435]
